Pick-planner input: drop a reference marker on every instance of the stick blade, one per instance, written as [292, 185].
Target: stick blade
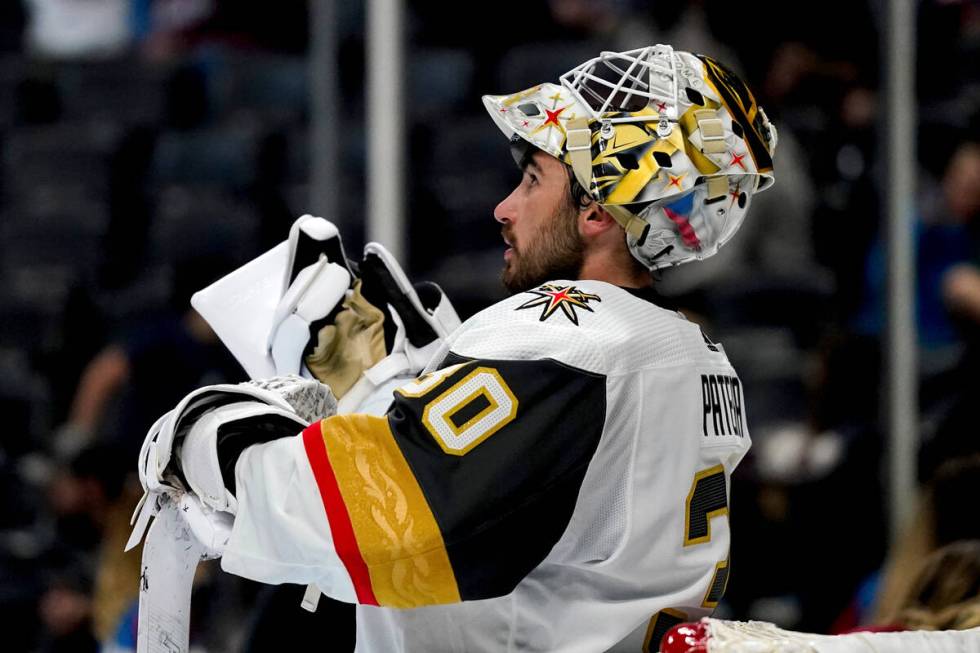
[170, 557]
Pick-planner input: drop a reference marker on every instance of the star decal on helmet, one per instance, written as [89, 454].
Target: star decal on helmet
[736, 195]
[565, 298]
[552, 120]
[553, 116]
[676, 180]
[737, 160]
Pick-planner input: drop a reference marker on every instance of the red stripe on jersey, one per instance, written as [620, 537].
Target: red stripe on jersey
[337, 515]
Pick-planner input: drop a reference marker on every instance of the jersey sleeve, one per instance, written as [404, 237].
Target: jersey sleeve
[460, 490]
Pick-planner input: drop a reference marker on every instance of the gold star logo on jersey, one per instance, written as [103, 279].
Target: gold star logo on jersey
[565, 298]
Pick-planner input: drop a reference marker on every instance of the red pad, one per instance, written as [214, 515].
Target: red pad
[686, 638]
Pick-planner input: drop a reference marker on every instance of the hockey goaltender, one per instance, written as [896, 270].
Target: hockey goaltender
[557, 477]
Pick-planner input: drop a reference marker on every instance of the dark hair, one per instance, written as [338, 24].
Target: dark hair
[580, 197]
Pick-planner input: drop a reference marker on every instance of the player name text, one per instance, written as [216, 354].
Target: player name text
[722, 405]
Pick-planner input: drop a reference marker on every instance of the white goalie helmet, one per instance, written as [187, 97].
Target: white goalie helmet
[672, 144]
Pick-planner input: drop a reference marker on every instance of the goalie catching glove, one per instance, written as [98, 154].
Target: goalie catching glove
[353, 324]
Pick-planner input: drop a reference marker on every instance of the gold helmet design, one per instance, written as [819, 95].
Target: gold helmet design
[672, 144]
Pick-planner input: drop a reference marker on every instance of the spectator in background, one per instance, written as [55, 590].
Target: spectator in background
[945, 517]
[92, 501]
[149, 369]
[961, 188]
[961, 294]
[65, 611]
[165, 29]
[942, 243]
[946, 593]
[943, 595]
[961, 291]
[161, 26]
[951, 457]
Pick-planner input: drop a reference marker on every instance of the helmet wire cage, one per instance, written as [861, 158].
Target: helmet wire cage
[624, 82]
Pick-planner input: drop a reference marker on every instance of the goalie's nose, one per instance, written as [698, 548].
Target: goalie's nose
[506, 211]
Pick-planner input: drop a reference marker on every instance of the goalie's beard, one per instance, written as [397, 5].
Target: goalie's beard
[555, 251]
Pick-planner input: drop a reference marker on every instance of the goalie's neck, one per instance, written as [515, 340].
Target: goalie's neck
[616, 266]
[623, 279]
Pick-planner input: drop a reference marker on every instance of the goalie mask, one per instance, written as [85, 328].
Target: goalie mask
[671, 144]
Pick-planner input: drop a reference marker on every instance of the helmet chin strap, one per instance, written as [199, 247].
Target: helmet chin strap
[579, 147]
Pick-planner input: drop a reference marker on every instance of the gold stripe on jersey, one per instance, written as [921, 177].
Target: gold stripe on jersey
[709, 512]
[659, 624]
[393, 524]
[716, 589]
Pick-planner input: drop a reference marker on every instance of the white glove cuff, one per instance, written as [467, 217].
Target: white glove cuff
[199, 454]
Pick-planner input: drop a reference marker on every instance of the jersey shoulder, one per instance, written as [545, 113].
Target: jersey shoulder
[590, 325]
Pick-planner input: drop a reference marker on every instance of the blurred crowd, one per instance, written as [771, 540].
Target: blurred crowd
[147, 147]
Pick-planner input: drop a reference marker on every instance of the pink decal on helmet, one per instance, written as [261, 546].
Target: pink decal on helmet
[688, 235]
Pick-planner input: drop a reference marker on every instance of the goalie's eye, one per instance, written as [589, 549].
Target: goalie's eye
[529, 110]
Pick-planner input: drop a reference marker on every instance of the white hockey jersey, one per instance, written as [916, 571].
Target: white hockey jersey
[558, 482]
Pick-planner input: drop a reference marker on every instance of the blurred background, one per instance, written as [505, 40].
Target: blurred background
[149, 146]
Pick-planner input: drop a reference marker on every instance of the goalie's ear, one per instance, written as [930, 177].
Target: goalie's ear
[595, 220]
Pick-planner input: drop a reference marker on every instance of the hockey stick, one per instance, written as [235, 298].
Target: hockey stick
[180, 536]
[170, 557]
